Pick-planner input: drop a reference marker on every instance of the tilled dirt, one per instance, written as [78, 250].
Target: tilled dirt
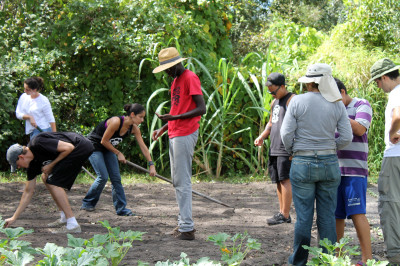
[156, 213]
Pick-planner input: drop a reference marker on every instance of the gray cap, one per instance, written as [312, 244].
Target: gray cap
[12, 155]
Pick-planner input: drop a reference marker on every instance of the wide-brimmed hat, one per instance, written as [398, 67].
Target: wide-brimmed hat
[168, 57]
[382, 67]
[322, 75]
[12, 155]
[276, 79]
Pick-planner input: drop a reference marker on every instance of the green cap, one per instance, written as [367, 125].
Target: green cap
[382, 67]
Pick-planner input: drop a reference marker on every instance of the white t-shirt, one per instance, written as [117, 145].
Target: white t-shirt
[39, 108]
[391, 150]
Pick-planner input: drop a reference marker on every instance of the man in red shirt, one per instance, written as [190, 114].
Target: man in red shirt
[187, 106]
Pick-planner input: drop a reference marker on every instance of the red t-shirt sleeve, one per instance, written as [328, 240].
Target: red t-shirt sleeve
[195, 86]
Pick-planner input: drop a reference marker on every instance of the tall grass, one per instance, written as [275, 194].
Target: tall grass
[225, 125]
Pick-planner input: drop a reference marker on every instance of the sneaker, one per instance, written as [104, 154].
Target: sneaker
[127, 214]
[88, 209]
[278, 219]
[57, 223]
[185, 235]
[65, 230]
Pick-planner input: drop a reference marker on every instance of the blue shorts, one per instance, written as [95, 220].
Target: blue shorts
[351, 197]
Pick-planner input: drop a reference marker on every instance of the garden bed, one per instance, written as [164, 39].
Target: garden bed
[156, 210]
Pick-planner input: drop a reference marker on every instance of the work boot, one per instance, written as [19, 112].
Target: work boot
[65, 230]
[278, 219]
[185, 235]
[57, 223]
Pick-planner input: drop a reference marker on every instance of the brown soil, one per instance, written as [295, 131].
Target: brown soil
[156, 210]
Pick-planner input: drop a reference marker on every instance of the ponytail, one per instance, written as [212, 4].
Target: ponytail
[133, 108]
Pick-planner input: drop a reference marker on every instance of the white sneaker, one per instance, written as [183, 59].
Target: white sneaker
[57, 223]
[65, 230]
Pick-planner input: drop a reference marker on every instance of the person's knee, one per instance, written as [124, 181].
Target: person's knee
[286, 183]
[44, 179]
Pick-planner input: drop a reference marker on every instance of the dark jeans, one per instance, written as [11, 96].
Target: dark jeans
[106, 165]
[314, 179]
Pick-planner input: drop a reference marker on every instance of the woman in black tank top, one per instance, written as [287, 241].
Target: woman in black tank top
[108, 134]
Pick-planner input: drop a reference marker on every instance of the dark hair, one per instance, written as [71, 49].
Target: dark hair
[133, 108]
[392, 75]
[314, 85]
[340, 85]
[35, 83]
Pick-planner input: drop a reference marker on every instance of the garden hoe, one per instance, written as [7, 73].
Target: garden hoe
[169, 181]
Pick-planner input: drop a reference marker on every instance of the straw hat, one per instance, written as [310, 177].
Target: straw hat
[168, 57]
[382, 67]
[322, 75]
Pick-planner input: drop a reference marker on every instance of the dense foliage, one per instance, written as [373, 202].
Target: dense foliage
[97, 55]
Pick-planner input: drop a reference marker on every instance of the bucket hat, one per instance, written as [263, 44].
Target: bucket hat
[322, 75]
[12, 155]
[168, 57]
[382, 67]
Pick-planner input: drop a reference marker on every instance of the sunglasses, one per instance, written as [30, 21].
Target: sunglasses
[275, 91]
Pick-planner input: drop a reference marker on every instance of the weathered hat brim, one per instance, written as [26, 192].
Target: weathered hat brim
[13, 167]
[305, 79]
[383, 73]
[168, 65]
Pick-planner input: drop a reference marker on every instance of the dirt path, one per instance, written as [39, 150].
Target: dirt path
[156, 210]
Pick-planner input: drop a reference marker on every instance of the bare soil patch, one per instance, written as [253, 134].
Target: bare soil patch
[156, 213]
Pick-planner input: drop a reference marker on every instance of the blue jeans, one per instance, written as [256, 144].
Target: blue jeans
[36, 131]
[105, 164]
[313, 178]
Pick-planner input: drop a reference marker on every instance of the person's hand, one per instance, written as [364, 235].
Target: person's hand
[32, 121]
[47, 169]
[9, 222]
[121, 157]
[394, 138]
[166, 117]
[152, 170]
[156, 134]
[259, 141]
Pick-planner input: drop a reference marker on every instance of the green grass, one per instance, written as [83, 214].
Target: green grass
[129, 178]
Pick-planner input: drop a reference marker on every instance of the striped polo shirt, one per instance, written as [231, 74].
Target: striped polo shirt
[353, 158]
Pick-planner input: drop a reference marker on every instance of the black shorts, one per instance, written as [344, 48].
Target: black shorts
[65, 172]
[279, 168]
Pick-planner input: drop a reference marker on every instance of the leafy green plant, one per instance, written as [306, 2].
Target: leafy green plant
[12, 250]
[99, 250]
[234, 249]
[184, 261]
[336, 254]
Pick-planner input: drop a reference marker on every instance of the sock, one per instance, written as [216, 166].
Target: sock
[72, 223]
[63, 219]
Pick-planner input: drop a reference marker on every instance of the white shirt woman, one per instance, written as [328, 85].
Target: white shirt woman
[35, 108]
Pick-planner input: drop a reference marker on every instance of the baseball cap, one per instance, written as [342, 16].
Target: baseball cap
[12, 155]
[276, 79]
